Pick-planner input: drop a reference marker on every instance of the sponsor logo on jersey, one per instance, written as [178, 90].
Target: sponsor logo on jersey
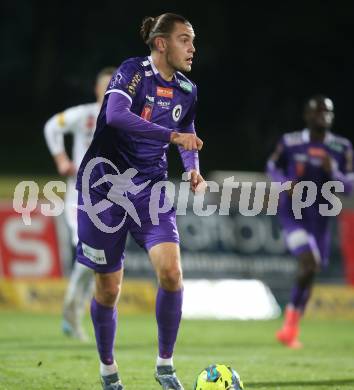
[186, 86]
[300, 169]
[164, 92]
[164, 104]
[147, 111]
[131, 87]
[301, 157]
[336, 146]
[317, 152]
[150, 99]
[176, 112]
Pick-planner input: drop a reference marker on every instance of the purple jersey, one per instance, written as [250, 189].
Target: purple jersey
[169, 104]
[301, 159]
[297, 158]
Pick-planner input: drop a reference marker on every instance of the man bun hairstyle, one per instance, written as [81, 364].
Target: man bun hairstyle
[158, 26]
[146, 27]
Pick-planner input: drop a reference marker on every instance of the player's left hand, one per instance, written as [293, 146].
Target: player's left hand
[198, 184]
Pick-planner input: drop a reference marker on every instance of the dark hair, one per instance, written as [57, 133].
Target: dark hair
[162, 25]
[315, 98]
[107, 71]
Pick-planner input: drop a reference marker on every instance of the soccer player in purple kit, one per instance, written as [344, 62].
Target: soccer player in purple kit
[148, 104]
[318, 155]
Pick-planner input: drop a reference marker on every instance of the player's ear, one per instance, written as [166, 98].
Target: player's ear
[160, 44]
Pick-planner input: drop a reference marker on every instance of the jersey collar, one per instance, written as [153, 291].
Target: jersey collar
[306, 136]
[156, 72]
[153, 67]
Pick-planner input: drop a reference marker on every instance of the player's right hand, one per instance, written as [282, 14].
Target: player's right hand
[64, 165]
[188, 141]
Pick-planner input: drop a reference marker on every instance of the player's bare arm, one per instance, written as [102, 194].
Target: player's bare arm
[65, 166]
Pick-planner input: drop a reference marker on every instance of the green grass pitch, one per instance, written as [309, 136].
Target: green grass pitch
[35, 355]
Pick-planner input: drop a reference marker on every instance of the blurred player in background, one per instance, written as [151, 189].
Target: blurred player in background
[314, 154]
[148, 105]
[80, 122]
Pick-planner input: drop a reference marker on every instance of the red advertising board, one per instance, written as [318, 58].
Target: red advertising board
[28, 251]
[346, 234]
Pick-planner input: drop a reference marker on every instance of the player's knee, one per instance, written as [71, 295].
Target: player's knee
[306, 277]
[307, 270]
[108, 294]
[171, 278]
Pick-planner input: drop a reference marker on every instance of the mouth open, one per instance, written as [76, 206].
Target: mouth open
[189, 60]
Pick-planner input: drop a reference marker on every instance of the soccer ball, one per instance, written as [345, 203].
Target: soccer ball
[218, 377]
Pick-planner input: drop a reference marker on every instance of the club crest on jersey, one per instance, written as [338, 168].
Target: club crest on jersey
[164, 92]
[176, 112]
[115, 80]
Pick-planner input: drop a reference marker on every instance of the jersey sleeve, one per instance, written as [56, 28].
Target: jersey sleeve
[190, 158]
[344, 172]
[127, 80]
[60, 124]
[276, 164]
[118, 115]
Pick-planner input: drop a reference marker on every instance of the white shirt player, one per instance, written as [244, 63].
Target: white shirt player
[80, 121]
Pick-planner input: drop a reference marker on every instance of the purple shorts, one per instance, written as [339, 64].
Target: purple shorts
[104, 251]
[310, 234]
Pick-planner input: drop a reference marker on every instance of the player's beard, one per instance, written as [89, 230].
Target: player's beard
[176, 66]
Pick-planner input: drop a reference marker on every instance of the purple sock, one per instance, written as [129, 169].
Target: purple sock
[168, 316]
[104, 321]
[300, 297]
